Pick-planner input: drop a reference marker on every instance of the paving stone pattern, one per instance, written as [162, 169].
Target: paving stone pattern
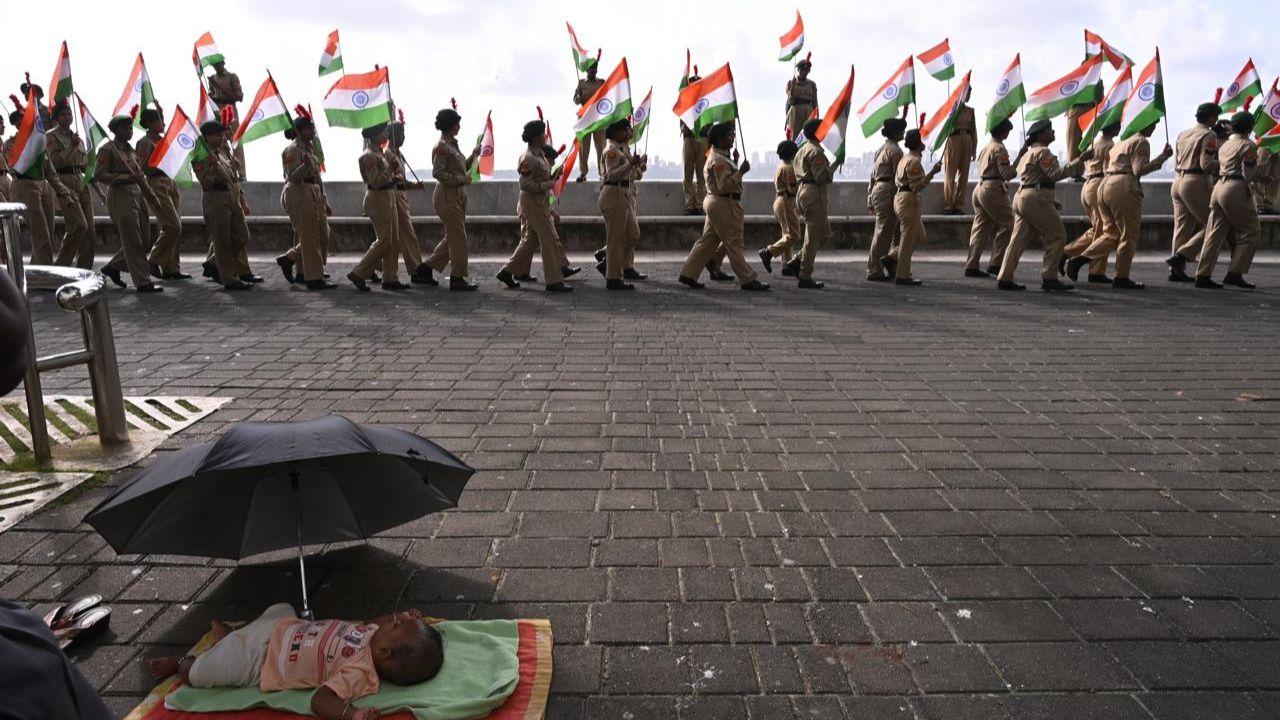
[865, 502]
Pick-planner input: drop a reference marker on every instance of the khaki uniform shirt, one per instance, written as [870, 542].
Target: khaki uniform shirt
[994, 164]
[1133, 157]
[1197, 149]
[1101, 147]
[66, 150]
[586, 88]
[300, 163]
[723, 177]
[449, 165]
[802, 92]
[1040, 165]
[1238, 157]
[535, 176]
[376, 172]
[785, 181]
[886, 162]
[617, 163]
[910, 173]
[216, 171]
[225, 88]
[117, 164]
[811, 165]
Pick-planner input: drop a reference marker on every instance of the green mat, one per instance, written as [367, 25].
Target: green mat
[480, 672]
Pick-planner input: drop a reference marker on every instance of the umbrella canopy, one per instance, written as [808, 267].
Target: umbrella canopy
[270, 486]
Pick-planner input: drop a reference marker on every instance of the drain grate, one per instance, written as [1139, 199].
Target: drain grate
[21, 494]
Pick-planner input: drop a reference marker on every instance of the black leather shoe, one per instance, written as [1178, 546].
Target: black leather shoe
[791, 268]
[581, 178]
[423, 275]
[890, 265]
[690, 282]
[174, 276]
[1009, 285]
[286, 268]
[633, 274]
[1074, 264]
[395, 285]
[719, 275]
[320, 285]
[251, 279]
[602, 267]
[460, 283]
[209, 270]
[1126, 284]
[1055, 285]
[505, 278]
[527, 278]
[766, 259]
[1062, 265]
[601, 254]
[1099, 279]
[358, 281]
[237, 285]
[375, 278]
[154, 270]
[114, 275]
[756, 286]
[1178, 262]
[1206, 282]
[810, 284]
[908, 282]
[1180, 276]
[879, 278]
[150, 288]
[993, 270]
[558, 288]
[975, 273]
[618, 285]
[569, 271]
[1237, 280]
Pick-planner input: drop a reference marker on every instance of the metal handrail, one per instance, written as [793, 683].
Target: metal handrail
[76, 290]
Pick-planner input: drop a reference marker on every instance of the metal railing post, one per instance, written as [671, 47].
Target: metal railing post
[9, 215]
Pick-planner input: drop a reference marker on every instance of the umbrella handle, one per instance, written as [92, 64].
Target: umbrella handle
[302, 565]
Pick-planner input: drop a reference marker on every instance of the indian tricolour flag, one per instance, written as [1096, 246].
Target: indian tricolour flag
[94, 137]
[266, 115]
[208, 110]
[205, 52]
[1246, 85]
[1094, 45]
[1267, 115]
[60, 86]
[180, 146]
[1078, 87]
[943, 123]
[1110, 112]
[137, 92]
[708, 101]
[1145, 105]
[27, 156]
[581, 58]
[639, 119]
[897, 91]
[482, 168]
[835, 125]
[566, 169]
[1271, 140]
[1011, 94]
[331, 58]
[792, 41]
[359, 101]
[938, 61]
[611, 103]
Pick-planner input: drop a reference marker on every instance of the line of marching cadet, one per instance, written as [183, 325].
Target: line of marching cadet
[1212, 197]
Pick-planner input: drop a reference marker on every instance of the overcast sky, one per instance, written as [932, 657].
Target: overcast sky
[511, 55]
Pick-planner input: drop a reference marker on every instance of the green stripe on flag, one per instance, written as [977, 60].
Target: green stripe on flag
[715, 114]
[1254, 89]
[1007, 106]
[947, 73]
[266, 127]
[211, 60]
[1087, 96]
[620, 111]
[1149, 116]
[359, 119]
[332, 67]
[875, 120]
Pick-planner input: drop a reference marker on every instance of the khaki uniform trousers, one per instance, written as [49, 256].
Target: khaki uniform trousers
[79, 236]
[886, 233]
[907, 207]
[228, 233]
[957, 153]
[817, 225]
[165, 252]
[784, 209]
[451, 207]
[1035, 212]
[1090, 199]
[1231, 208]
[622, 230]
[1120, 199]
[597, 139]
[305, 206]
[37, 195]
[1192, 195]
[723, 225]
[380, 206]
[992, 224]
[410, 248]
[128, 211]
[538, 233]
[695, 180]
[797, 116]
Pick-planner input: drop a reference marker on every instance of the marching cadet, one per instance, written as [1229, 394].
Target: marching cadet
[1232, 208]
[1075, 133]
[815, 175]
[587, 87]
[1196, 163]
[118, 169]
[224, 210]
[67, 154]
[1091, 199]
[1266, 181]
[449, 168]
[957, 154]
[693, 154]
[36, 189]
[225, 91]
[629, 272]
[410, 249]
[622, 231]
[1036, 210]
[307, 205]
[163, 260]
[802, 97]
[880, 194]
[380, 205]
[786, 186]
[536, 181]
[724, 223]
[992, 211]
[910, 179]
[522, 269]
[1121, 199]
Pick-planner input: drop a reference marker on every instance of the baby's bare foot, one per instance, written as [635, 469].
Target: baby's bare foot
[220, 629]
[163, 667]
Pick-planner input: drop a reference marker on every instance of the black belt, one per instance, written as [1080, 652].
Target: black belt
[1191, 171]
[962, 132]
[70, 169]
[388, 186]
[402, 186]
[806, 181]
[1038, 186]
[156, 174]
[986, 178]
[310, 181]
[1110, 174]
[619, 183]
[904, 188]
[1233, 177]
[218, 187]
[784, 194]
[1094, 176]
[122, 183]
[731, 196]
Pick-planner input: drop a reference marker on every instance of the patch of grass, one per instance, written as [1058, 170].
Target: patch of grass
[79, 413]
[12, 440]
[59, 423]
[142, 415]
[188, 405]
[96, 480]
[164, 410]
[25, 462]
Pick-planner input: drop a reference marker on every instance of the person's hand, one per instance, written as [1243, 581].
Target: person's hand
[1168, 151]
[555, 217]
[937, 168]
[555, 174]
[1087, 155]
[745, 167]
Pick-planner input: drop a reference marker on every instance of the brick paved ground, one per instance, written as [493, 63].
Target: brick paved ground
[868, 502]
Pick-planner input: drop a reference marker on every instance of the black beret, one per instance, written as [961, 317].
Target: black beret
[720, 130]
[1208, 108]
[62, 106]
[149, 115]
[446, 118]
[786, 147]
[533, 130]
[912, 137]
[1243, 120]
[370, 133]
[811, 128]
[616, 126]
[893, 125]
[1038, 127]
[117, 121]
[1003, 126]
[212, 127]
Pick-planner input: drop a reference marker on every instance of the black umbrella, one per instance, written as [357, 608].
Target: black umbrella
[269, 486]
